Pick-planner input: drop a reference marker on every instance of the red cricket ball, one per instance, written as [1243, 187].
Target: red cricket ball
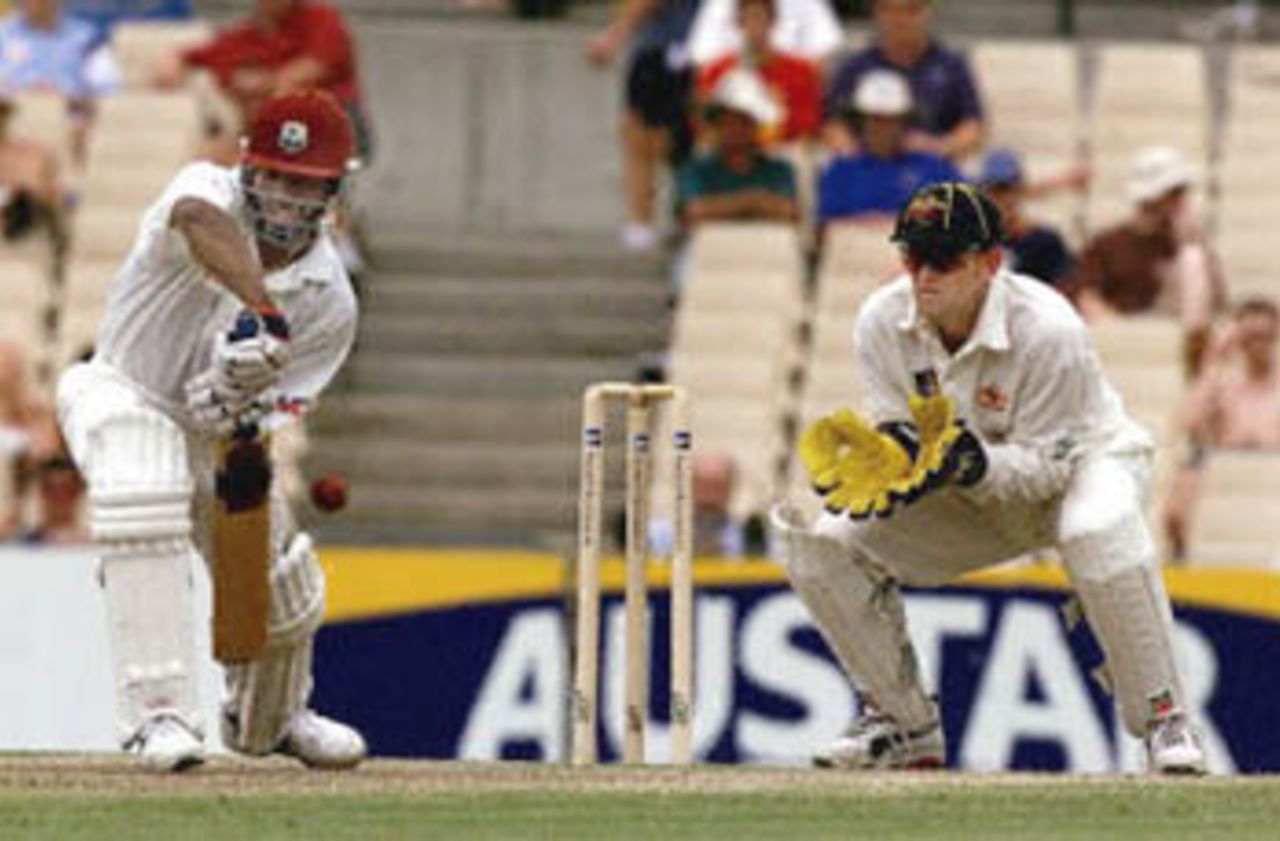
[329, 493]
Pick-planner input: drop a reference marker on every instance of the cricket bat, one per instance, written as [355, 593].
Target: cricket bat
[242, 538]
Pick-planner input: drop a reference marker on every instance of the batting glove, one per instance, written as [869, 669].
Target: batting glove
[251, 356]
[219, 410]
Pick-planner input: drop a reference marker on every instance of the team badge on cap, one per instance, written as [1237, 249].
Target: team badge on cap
[928, 209]
[294, 137]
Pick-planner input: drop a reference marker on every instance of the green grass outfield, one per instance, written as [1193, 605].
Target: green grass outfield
[68, 798]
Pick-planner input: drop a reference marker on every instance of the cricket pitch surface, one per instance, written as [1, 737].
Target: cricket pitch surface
[107, 796]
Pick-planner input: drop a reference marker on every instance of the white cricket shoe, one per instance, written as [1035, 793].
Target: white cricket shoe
[1174, 747]
[165, 744]
[874, 741]
[322, 743]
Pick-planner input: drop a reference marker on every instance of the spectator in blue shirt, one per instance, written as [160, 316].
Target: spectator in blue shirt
[1030, 248]
[44, 49]
[948, 117]
[873, 183]
[105, 14]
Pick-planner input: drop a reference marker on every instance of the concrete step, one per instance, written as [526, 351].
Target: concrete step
[551, 466]
[640, 298]
[424, 509]
[498, 253]
[452, 418]
[516, 377]
[550, 335]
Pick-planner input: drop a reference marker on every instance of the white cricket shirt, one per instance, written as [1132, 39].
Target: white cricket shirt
[164, 311]
[1028, 382]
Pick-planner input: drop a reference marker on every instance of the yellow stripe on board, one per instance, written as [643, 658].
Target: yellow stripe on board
[1250, 591]
[376, 582]
[365, 583]
[379, 582]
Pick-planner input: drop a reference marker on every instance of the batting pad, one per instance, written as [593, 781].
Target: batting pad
[140, 496]
[859, 612]
[264, 695]
[1129, 614]
[1109, 553]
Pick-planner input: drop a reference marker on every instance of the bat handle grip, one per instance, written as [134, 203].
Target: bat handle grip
[246, 327]
[245, 432]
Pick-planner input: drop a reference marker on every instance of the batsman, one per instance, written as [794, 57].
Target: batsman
[229, 316]
[990, 432]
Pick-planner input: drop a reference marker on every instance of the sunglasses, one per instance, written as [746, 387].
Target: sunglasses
[942, 261]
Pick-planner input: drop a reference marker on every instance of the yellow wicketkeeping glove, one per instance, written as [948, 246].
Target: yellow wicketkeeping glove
[853, 465]
[935, 420]
[947, 451]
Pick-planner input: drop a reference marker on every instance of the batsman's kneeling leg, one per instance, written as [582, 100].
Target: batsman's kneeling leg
[859, 611]
[140, 513]
[264, 696]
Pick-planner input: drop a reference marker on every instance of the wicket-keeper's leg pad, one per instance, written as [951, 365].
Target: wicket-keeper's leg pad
[134, 458]
[1112, 560]
[264, 695]
[858, 609]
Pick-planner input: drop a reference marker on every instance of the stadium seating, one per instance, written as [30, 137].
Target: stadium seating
[734, 347]
[1143, 359]
[1249, 172]
[104, 232]
[1237, 519]
[42, 117]
[139, 45]
[125, 132]
[1130, 112]
[856, 258]
[1032, 93]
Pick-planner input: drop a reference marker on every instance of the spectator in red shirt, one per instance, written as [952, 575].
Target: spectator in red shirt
[794, 82]
[282, 45]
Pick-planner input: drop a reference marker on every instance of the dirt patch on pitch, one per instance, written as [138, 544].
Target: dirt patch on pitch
[116, 776]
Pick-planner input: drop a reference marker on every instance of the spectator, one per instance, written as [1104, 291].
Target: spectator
[794, 81]
[736, 180]
[874, 182]
[15, 437]
[44, 49]
[59, 486]
[655, 124]
[948, 117]
[105, 14]
[61, 492]
[808, 29]
[716, 532]
[1155, 260]
[30, 192]
[1030, 248]
[282, 46]
[1233, 404]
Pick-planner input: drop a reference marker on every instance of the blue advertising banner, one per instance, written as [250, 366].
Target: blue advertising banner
[465, 655]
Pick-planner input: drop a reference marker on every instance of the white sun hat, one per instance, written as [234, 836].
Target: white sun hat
[744, 91]
[883, 93]
[1157, 170]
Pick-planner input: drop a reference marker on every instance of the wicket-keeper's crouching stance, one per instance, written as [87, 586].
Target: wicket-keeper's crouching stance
[231, 312]
[991, 433]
